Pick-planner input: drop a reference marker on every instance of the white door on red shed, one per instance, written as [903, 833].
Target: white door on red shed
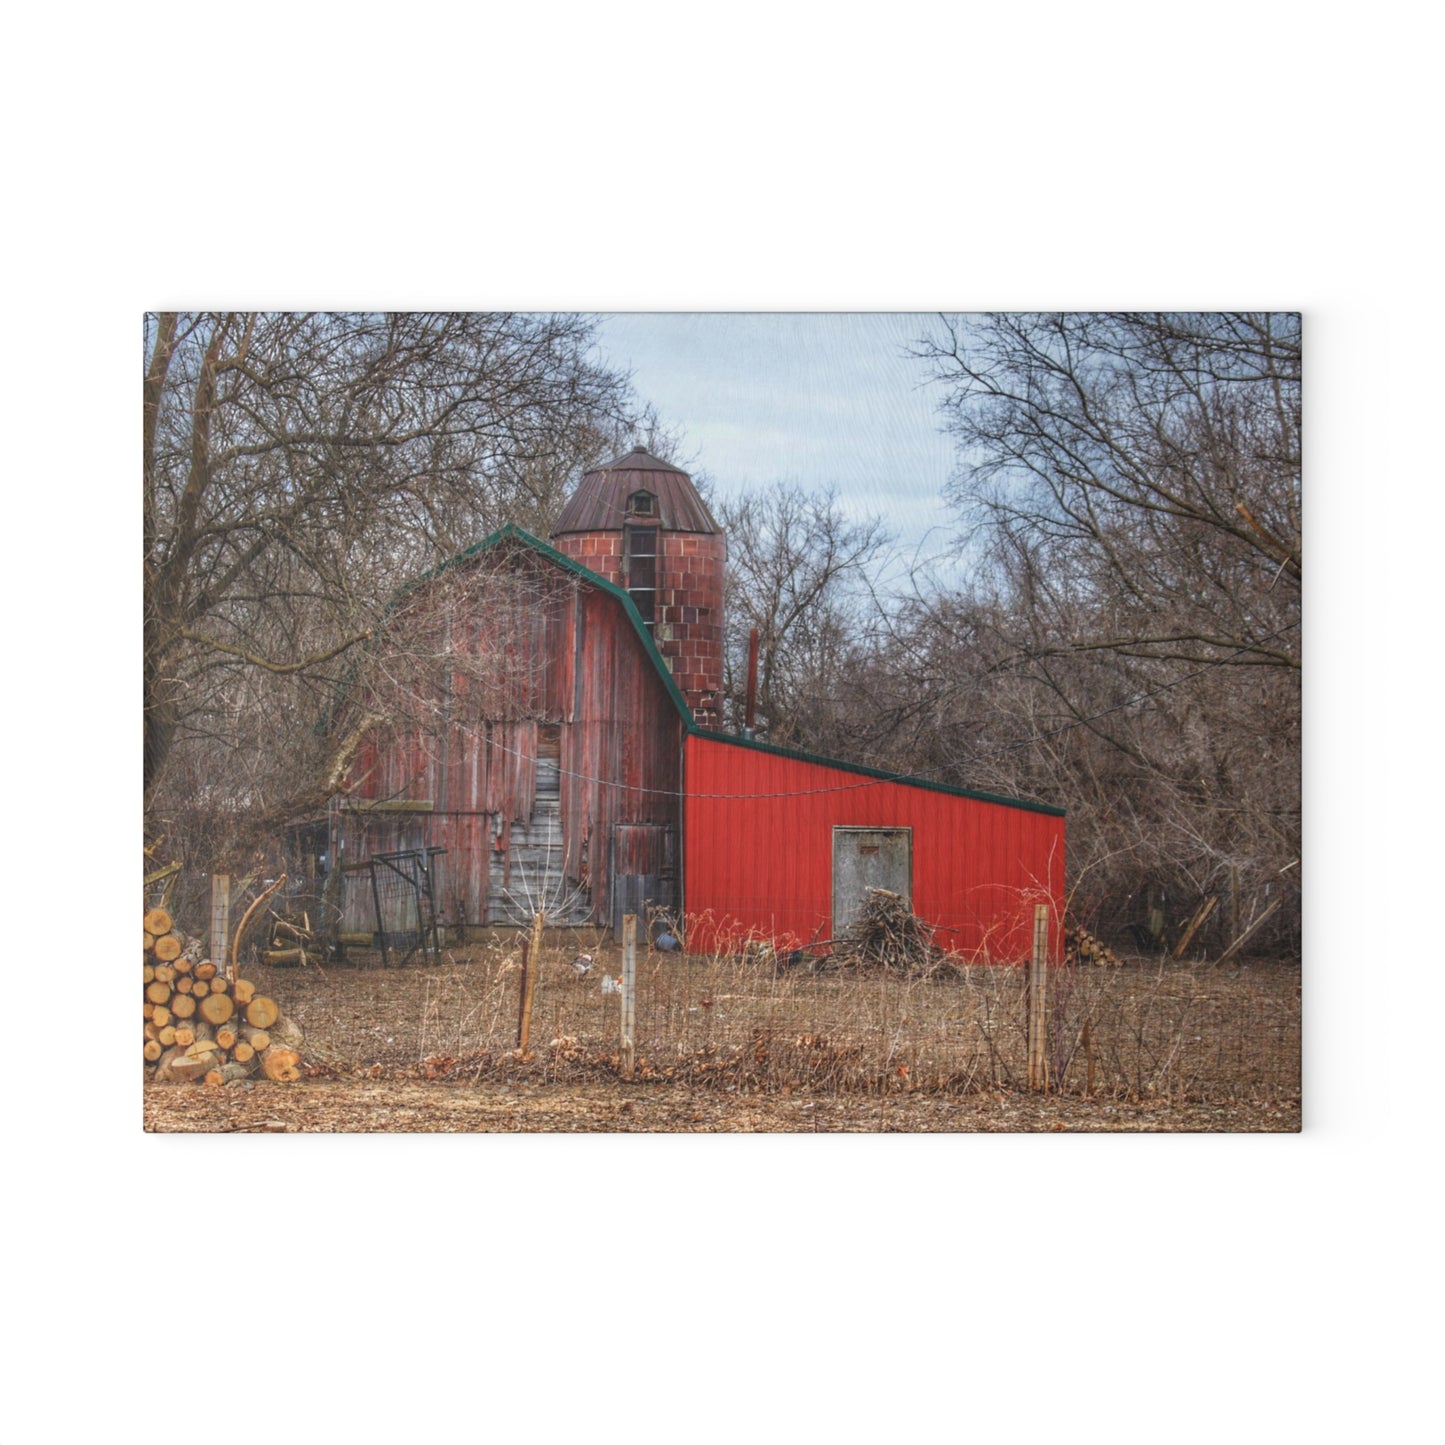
[865, 858]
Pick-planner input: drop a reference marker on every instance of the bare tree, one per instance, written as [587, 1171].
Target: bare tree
[1148, 462]
[1135, 632]
[297, 469]
[797, 569]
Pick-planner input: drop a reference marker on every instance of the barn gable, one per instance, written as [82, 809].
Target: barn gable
[532, 732]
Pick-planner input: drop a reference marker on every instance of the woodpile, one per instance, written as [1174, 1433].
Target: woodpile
[888, 935]
[1080, 946]
[294, 944]
[200, 1024]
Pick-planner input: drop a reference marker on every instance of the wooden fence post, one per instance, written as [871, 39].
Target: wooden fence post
[531, 967]
[1038, 1019]
[220, 916]
[524, 999]
[629, 991]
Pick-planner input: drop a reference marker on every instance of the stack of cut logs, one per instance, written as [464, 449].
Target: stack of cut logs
[1080, 946]
[200, 1024]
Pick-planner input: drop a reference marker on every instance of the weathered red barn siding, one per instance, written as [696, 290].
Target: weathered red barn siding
[758, 849]
[571, 660]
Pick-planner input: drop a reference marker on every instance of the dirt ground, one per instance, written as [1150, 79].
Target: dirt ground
[729, 1046]
[361, 1107]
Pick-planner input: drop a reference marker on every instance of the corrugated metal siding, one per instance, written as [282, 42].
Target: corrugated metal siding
[758, 850]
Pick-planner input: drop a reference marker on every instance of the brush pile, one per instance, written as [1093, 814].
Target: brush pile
[887, 935]
[202, 1025]
[294, 943]
[1080, 946]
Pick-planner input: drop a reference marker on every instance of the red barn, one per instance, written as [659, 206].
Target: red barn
[548, 716]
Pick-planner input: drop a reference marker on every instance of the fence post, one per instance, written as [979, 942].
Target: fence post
[629, 991]
[524, 1000]
[531, 967]
[1038, 1019]
[220, 916]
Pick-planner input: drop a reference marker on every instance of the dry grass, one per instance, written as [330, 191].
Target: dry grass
[752, 1025]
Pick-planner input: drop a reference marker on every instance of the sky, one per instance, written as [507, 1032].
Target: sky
[821, 399]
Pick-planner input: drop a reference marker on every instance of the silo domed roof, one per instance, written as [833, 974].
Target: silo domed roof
[600, 502]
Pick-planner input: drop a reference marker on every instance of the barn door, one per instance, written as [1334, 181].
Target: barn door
[865, 858]
[643, 869]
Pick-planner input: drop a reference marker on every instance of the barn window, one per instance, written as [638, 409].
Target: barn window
[640, 547]
[642, 504]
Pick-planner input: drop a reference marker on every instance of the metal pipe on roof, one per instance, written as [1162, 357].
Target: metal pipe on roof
[750, 711]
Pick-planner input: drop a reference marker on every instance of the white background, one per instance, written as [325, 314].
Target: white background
[375, 1289]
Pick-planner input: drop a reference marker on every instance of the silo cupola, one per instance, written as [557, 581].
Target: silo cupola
[639, 523]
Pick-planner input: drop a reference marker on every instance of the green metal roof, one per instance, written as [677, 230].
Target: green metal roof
[799, 755]
[513, 533]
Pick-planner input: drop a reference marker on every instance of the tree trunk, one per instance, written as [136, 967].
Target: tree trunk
[286, 1031]
[280, 1064]
[216, 1008]
[262, 1012]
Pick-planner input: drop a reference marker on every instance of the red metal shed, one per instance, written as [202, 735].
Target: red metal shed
[782, 843]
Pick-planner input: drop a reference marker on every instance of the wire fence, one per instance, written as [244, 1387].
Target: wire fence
[752, 1021]
[757, 1016]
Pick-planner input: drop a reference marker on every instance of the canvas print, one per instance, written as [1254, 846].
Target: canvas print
[718, 722]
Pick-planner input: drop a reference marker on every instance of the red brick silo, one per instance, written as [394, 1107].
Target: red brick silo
[640, 523]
